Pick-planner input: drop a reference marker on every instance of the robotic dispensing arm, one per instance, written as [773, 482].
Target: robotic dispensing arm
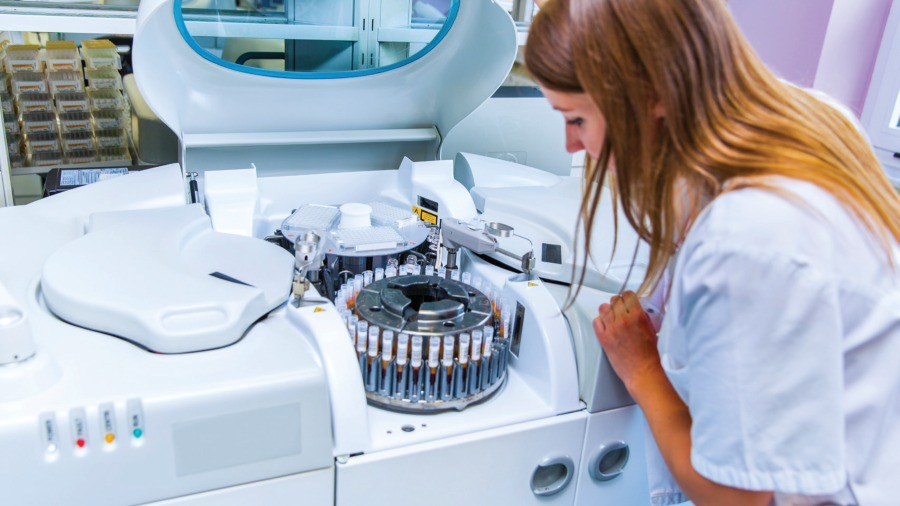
[459, 234]
[307, 260]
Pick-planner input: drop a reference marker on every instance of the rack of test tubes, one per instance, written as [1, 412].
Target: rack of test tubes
[50, 118]
[427, 342]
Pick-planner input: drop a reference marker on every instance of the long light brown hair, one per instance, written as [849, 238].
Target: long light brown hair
[727, 119]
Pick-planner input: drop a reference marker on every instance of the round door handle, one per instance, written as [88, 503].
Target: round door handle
[552, 475]
[609, 460]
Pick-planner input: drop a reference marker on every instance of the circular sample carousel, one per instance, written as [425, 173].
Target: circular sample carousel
[429, 345]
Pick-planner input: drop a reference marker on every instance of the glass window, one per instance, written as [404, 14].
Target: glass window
[314, 36]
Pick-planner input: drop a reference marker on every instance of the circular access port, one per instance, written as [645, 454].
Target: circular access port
[609, 460]
[552, 475]
[407, 428]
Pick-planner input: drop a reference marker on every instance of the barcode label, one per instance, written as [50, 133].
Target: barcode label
[88, 176]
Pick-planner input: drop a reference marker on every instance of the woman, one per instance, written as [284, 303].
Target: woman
[776, 377]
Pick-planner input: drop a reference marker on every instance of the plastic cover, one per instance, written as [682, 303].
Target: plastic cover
[390, 216]
[309, 217]
[367, 239]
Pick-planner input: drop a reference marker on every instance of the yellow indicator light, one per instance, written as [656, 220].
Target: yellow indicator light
[110, 438]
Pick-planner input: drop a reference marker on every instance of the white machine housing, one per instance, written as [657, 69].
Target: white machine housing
[210, 420]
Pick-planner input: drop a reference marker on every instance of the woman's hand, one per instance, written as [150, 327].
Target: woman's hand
[629, 340]
[627, 335]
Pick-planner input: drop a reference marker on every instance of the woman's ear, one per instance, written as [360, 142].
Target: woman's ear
[658, 111]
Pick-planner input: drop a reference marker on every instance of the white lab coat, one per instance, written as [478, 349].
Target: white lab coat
[782, 336]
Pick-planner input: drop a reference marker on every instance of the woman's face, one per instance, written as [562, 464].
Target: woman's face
[585, 125]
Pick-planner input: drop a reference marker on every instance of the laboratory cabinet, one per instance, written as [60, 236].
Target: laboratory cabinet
[527, 463]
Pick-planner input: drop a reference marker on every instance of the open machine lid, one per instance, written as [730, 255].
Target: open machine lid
[209, 102]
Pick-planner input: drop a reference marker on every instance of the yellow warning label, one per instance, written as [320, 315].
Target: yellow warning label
[426, 216]
[532, 284]
[318, 310]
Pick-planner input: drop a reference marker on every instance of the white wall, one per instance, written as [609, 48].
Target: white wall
[827, 44]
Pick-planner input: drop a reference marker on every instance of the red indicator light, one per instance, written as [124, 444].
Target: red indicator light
[80, 443]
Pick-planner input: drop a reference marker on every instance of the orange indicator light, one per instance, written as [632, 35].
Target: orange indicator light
[110, 438]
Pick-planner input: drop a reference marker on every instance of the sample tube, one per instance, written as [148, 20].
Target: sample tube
[429, 270]
[367, 278]
[415, 363]
[415, 269]
[402, 346]
[447, 358]
[358, 281]
[412, 260]
[488, 341]
[379, 274]
[434, 352]
[442, 272]
[505, 319]
[467, 278]
[373, 344]
[387, 348]
[476, 283]
[495, 302]
[362, 332]
[476, 345]
[454, 274]
[390, 272]
[392, 262]
[354, 319]
[404, 270]
[352, 332]
[345, 315]
[464, 350]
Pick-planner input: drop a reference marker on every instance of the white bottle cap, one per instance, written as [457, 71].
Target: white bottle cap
[404, 270]
[402, 346]
[454, 275]
[416, 270]
[373, 341]
[434, 351]
[447, 358]
[464, 348]
[467, 278]
[352, 330]
[429, 270]
[416, 360]
[387, 345]
[390, 272]
[367, 277]
[355, 216]
[379, 274]
[442, 272]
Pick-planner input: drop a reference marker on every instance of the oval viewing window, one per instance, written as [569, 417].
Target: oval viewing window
[314, 38]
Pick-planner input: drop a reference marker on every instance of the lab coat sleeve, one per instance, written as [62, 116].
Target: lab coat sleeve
[764, 343]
